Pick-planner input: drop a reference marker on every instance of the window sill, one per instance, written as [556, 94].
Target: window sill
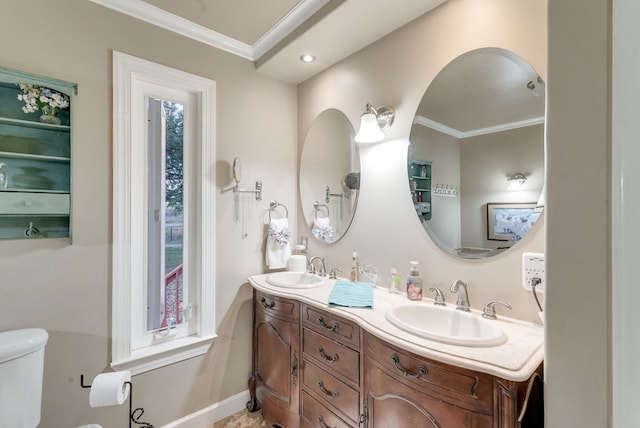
[163, 354]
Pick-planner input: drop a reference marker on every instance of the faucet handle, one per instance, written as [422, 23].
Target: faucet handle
[439, 299]
[333, 273]
[489, 311]
[311, 268]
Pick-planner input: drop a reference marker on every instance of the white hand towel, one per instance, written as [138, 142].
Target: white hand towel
[278, 248]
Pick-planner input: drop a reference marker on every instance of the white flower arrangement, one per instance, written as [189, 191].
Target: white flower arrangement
[36, 97]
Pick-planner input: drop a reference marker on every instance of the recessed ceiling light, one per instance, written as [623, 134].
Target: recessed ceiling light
[307, 58]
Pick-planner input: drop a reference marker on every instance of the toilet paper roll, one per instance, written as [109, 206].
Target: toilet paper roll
[298, 263]
[109, 389]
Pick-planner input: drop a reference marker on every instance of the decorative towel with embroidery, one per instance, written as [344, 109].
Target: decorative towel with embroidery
[278, 248]
[322, 229]
[351, 294]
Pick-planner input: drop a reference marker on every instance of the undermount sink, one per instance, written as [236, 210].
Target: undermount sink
[295, 280]
[446, 325]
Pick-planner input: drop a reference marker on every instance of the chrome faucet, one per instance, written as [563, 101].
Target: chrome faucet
[312, 267]
[460, 287]
[439, 299]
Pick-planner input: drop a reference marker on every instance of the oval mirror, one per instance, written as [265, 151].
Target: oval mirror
[476, 155]
[329, 176]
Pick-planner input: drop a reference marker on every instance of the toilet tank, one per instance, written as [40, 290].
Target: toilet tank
[21, 370]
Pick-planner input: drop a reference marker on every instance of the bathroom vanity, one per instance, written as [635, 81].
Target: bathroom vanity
[321, 366]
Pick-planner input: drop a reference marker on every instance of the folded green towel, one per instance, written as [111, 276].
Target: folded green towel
[351, 294]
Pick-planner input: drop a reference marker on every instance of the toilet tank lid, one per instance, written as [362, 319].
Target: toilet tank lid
[16, 343]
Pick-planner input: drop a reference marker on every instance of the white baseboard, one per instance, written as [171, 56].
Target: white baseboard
[206, 417]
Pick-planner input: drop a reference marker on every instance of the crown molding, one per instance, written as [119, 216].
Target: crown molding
[289, 23]
[153, 15]
[428, 123]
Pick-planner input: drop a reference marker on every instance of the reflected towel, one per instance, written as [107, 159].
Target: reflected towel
[322, 229]
[351, 294]
[278, 248]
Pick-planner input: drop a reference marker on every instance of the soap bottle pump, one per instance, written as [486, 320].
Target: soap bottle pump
[414, 283]
[355, 268]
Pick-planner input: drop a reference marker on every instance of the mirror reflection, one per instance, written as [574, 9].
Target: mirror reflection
[329, 176]
[476, 155]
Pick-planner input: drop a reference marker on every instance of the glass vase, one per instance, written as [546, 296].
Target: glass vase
[48, 115]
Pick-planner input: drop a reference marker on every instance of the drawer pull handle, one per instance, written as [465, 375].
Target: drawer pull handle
[329, 359]
[326, 327]
[324, 390]
[322, 424]
[267, 305]
[422, 370]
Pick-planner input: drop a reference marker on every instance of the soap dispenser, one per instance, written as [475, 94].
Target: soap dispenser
[414, 283]
[394, 281]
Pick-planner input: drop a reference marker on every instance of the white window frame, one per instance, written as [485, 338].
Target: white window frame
[130, 74]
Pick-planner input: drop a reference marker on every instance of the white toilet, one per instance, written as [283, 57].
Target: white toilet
[21, 369]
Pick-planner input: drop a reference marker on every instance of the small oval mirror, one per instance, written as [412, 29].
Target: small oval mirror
[329, 176]
[237, 170]
[478, 134]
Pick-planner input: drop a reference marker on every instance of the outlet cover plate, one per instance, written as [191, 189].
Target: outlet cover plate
[533, 267]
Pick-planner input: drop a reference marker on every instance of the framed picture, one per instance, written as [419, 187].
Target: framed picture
[510, 222]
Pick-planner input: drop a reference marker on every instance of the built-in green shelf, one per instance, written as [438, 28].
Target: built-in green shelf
[36, 202]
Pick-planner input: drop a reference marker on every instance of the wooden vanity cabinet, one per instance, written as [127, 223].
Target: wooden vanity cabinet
[313, 368]
[405, 390]
[331, 370]
[276, 342]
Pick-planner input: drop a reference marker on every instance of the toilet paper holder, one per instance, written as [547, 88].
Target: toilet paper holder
[134, 415]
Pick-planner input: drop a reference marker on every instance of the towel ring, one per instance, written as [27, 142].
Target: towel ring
[316, 207]
[272, 207]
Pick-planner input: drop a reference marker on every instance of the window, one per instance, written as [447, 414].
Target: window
[163, 219]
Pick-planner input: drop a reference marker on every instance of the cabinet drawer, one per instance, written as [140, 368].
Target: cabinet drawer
[332, 326]
[34, 203]
[331, 355]
[316, 415]
[330, 391]
[390, 403]
[466, 388]
[279, 307]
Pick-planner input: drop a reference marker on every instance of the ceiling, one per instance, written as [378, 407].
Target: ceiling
[275, 33]
[481, 92]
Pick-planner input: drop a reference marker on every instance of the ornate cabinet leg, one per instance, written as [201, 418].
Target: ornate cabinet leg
[252, 404]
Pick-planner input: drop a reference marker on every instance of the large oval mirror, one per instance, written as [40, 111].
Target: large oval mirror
[476, 158]
[329, 176]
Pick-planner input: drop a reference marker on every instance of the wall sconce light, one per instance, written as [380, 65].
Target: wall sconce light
[516, 181]
[373, 122]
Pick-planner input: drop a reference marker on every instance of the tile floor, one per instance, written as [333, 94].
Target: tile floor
[242, 419]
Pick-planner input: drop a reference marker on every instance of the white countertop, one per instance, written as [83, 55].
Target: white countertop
[514, 360]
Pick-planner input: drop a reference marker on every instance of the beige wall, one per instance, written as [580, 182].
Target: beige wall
[578, 247]
[66, 288]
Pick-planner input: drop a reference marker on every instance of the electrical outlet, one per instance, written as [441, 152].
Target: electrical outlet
[533, 267]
